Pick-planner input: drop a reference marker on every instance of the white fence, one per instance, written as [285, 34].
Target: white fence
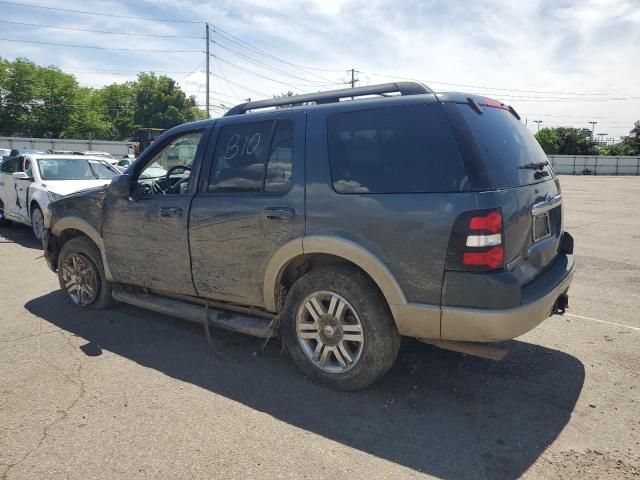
[594, 165]
[117, 149]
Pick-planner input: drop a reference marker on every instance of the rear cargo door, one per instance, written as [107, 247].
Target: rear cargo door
[505, 157]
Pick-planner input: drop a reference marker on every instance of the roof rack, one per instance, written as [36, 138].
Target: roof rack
[333, 96]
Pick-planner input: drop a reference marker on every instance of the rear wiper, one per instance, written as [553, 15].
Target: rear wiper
[534, 165]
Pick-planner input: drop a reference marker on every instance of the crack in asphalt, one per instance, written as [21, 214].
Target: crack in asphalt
[46, 431]
[29, 336]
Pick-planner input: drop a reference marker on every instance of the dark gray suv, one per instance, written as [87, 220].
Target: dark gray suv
[340, 220]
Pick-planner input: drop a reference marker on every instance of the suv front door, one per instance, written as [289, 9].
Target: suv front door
[146, 238]
[250, 203]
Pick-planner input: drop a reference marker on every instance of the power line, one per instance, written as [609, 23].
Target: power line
[253, 72]
[488, 87]
[242, 86]
[100, 31]
[232, 38]
[99, 48]
[269, 67]
[84, 12]
[128, 71]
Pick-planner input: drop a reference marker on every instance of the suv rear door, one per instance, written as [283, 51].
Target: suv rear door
[250, 203]
[504, 156]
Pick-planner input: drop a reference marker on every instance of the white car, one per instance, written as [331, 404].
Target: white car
[29, 182]
[103, 155]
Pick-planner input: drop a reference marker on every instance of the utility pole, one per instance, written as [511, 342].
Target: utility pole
[593, 126]
[206, 37]
[353, 78]
[602, 140]
[538, 122]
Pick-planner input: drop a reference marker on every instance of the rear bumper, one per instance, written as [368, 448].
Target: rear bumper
[489, 325]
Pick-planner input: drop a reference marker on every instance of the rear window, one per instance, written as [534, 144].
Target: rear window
[503, 145]
[408, 149]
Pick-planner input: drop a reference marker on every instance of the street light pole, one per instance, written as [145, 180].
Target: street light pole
[538, 122]
[593, 126]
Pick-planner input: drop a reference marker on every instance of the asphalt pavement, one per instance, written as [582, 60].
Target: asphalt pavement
[127, 393]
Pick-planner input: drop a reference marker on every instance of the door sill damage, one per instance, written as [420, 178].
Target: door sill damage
[237, 322]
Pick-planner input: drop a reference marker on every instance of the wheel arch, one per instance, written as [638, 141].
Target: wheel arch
[325, 250]
[70, 227]
[34, 203]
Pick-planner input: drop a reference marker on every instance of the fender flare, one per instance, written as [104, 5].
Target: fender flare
[77, 223]
[339, 247]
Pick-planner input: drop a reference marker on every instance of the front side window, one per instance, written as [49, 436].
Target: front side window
[170, 169]
[253, 157]
[407, 149]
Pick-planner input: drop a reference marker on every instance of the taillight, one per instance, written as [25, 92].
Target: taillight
[492, 222]
[477, 241]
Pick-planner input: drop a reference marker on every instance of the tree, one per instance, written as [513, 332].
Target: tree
[288, 93]
[46, 102]
[567, 141]
[633, 140]
[617, 150]
[629, 146]
[160, 103]
[548, 140]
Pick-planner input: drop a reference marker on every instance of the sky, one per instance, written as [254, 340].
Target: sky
[563, 62]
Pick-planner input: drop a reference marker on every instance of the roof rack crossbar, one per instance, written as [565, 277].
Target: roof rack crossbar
[332, 96]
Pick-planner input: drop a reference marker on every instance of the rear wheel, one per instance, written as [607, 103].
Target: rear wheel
[37, 222]
[338, 328]
[81, 274]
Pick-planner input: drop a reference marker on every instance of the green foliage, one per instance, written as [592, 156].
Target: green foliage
[548, 140]
[567, 141]
[629, 146]
[45, 102]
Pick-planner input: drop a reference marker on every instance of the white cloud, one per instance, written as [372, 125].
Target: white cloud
[584, 46]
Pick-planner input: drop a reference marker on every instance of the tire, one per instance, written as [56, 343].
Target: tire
[80, 259]
[37, 222]
[364, 315]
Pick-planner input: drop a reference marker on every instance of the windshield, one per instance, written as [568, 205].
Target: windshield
[505, 145]
[75, 169]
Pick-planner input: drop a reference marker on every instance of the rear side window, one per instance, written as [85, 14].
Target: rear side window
[407, 149]
[502, 144]
[253, 157]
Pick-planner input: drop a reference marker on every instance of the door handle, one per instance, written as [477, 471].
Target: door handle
[173, 212]
[279, 213]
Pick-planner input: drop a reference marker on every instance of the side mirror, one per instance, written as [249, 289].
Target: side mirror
[121, 185]
[21, 176]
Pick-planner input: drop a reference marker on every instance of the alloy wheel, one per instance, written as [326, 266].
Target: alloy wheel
[329, 332]
[37, 223]
[81, 280]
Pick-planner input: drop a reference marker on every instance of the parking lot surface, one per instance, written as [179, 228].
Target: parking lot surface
[127, 393]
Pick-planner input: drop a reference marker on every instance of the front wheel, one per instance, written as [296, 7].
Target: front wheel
[81, 274]
[37, 222]
[338, 328]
